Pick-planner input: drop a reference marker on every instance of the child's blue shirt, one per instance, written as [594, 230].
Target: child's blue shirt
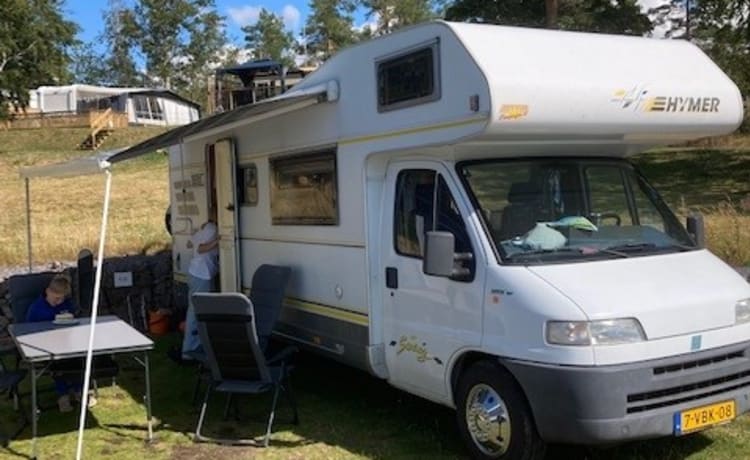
[41, 310]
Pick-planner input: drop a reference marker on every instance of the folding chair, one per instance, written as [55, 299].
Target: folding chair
[9, 381]
[267, 294]
[227, 328]
[23, 291]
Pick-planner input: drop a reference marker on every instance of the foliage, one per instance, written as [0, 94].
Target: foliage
[178, 39]
[393, 14]
[329, 27]
[268, 39]
[618, 16]
[35, 41]
[87, 65]
[120, 32]
[722, 29]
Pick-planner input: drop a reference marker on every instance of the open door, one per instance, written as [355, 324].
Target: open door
[227, 215]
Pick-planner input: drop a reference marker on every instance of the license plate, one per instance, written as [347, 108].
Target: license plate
[702, 417]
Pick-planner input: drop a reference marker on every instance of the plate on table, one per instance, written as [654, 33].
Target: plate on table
[65, 322]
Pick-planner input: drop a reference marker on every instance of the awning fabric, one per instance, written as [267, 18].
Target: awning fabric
[97, 163]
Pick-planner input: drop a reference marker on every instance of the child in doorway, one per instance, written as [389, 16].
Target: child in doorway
[56, 300]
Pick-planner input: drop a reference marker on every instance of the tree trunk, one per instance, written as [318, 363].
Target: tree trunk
[551, 7]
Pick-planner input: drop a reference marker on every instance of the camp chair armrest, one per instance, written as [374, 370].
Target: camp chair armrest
[283, 355]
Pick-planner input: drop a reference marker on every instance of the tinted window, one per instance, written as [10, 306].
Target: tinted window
[303, 190]
[408, 79]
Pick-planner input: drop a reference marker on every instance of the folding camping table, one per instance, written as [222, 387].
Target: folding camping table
[44, 342]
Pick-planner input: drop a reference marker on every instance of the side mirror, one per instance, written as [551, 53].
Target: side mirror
[696, 229]
[438, 254]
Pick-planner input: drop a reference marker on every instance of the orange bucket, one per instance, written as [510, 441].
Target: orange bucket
[158, 323]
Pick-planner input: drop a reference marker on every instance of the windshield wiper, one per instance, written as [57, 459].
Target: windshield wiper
[643, 247]
[539, 252]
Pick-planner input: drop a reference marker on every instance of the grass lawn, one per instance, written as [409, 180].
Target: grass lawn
[344, 414]
[65, 213]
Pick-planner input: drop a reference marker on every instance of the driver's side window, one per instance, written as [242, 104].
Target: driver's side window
[424, 203]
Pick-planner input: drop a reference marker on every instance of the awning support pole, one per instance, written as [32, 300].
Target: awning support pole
[94, 312]
[28, 222]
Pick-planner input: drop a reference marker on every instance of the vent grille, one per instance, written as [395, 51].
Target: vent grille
[650, 400]
[689, 365]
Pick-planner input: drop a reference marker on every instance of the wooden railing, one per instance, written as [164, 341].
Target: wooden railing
[98, 122]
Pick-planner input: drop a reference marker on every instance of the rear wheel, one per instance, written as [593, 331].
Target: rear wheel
[493, 416]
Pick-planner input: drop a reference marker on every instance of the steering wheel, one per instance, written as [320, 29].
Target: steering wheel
[600, 216]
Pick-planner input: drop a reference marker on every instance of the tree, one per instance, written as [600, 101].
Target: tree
[393, 14]
[179, 41]
[121, 35]
[528, 13]
[618, 16]
[722, 29]
[35, 41]
[268, 39]
[87, 65]
[329, 26]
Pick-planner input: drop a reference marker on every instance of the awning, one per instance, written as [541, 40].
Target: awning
[240, 115]
[220, 121]
[75, 167]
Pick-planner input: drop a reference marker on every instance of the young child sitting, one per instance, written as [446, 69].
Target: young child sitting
[55, 300]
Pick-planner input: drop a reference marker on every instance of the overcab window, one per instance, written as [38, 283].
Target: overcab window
[408, 79]
[303, 190]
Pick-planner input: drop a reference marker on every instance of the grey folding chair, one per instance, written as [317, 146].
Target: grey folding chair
[9, 381]
[267, 294]
[227, 328]
[23, 291]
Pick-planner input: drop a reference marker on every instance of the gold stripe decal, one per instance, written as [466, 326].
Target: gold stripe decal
[328, 311]
[403, 132]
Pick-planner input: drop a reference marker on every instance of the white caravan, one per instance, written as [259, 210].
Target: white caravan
[460, 219]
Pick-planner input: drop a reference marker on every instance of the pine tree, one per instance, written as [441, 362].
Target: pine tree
[268, 39]
[329, 27]
[393, 14]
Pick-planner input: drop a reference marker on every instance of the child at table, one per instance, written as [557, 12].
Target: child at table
[55, 300]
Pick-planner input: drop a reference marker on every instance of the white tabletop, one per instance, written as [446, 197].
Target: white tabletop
[45, 341]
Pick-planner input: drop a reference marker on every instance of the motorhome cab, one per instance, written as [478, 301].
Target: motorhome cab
[460, 218]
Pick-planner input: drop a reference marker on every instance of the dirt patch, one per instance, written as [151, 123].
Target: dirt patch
[212, 452]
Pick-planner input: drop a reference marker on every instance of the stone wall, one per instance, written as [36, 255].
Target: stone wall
[152, 287]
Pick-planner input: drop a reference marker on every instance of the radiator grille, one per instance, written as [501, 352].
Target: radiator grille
[688, 365]
[650, 400]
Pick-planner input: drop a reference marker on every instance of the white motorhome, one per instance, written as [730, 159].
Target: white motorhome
[456, 206]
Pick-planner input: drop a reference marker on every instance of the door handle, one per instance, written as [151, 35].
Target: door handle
[391, 277]
[230, 207]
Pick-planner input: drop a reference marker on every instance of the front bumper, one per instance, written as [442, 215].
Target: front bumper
[610, 404]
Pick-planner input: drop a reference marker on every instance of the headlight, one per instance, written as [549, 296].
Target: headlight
[742, 311]
[602, 332]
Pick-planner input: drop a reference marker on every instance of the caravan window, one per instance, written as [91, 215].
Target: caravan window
[408, 79]
[303, 190]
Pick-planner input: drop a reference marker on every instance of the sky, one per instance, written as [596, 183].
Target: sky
[238, 13]
[88, 15]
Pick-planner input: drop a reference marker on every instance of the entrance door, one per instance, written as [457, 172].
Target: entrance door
[227, 216]
[427, 319]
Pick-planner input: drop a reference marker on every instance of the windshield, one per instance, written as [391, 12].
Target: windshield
[565, 209]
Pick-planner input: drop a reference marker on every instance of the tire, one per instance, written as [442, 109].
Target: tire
[486, 384]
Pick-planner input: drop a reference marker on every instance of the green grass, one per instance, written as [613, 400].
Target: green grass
[344, 414]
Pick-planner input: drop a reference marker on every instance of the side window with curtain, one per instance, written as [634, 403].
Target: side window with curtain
[414, 210]
[424, 203]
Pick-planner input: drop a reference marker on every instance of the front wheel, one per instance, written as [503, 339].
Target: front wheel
[493, 416]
